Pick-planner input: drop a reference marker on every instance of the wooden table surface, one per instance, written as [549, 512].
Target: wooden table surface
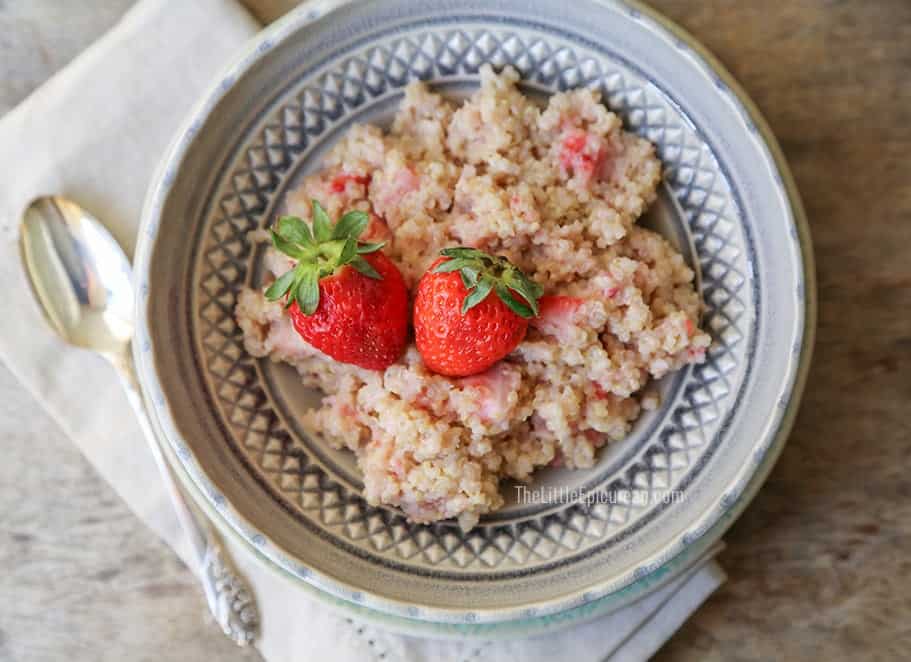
[819, 564]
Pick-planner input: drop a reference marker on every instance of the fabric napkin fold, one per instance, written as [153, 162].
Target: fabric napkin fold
[94, 133]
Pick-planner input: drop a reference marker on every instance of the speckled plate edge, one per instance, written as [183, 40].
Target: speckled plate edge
[675, 557]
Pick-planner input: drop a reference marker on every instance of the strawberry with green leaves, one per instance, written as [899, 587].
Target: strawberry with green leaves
[471, 309]
[344, 296]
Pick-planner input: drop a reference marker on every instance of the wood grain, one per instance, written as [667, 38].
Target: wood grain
[818, 564]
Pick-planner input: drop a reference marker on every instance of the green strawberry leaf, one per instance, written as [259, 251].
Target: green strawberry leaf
[527, 284]
[289, 248]
[365, 268]
[451, 265]
[321, 223]
[307, 294]
[519, 309]
[519, 283]
[470, 276]
[464, 251]
[351, 224]
[293, 229]
[349, 251]
[363, 248]
[280, 287]
[477, 295]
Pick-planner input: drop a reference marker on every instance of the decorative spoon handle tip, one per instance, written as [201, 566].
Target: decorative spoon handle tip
[230, 600]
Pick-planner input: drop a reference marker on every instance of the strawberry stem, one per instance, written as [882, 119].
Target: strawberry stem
[320, 251]
[482, 274]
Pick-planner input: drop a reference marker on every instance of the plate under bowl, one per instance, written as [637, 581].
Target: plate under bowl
[667, 490]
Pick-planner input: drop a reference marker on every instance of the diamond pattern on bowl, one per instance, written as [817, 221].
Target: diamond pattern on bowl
[323, 101]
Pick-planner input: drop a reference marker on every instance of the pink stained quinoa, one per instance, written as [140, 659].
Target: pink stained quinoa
[558, 192]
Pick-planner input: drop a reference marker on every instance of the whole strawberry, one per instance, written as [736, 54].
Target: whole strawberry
[470, 310]
[345, 297]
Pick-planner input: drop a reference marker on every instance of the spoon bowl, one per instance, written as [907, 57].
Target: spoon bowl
[79, 274]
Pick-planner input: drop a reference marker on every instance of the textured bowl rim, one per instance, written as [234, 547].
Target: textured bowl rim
[677, 555]
[502, 630]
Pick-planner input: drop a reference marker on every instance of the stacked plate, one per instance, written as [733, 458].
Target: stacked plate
[654, 502]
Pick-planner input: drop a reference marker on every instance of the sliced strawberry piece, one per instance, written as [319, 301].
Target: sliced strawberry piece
[557, 316]
[600, 393]
[558, 460]
[340, 182]
[403, 182]
[494, 388]
[377, 229]
[583, 155]
[690, 327]
[598, 439]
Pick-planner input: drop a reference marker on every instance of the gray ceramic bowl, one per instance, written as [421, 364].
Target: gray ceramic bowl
[234, 424]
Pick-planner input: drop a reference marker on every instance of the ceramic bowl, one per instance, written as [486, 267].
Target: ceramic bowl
[653, 501]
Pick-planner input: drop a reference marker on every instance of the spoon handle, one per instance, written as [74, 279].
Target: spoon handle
[230, 600]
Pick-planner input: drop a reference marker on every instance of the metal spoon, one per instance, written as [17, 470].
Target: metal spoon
[81, 278]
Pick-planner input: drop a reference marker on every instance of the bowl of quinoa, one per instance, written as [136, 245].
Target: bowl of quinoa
[597, 150]
[557, 190]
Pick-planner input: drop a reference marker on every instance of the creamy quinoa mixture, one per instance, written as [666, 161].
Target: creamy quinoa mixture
[556, 190]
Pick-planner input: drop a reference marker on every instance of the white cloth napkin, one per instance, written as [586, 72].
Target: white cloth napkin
[94, 133]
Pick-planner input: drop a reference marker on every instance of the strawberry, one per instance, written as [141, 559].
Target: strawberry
[583, 154]
[466, 312]
[344, 296]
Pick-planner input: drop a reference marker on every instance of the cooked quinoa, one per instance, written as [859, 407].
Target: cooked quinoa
[557, 191]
